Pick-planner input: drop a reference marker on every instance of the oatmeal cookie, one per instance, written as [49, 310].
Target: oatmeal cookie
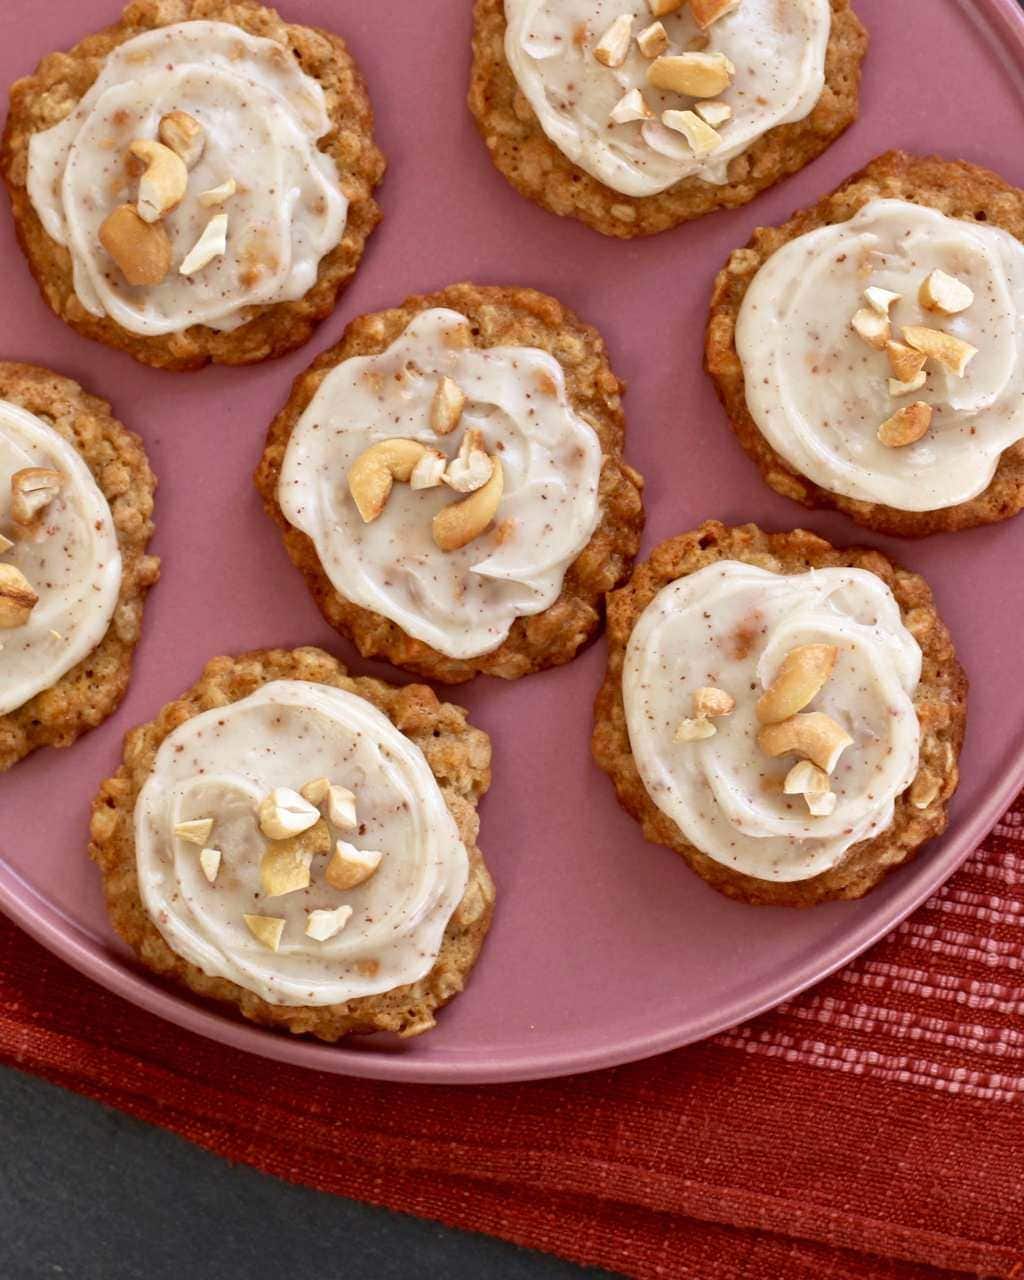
[42, 100]
[92, 689]
[537, 168]
[940, 702]
[507, 317]
[458, 757]
[952, 187]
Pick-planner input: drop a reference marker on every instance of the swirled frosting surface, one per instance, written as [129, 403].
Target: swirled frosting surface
[462, 602]
[819, 393]
[262, 117]
[220, 765]
[73, 563]
[776, 46]
[730, 625]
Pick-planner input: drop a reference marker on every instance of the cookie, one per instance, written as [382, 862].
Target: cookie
[785, 715]
[593, 111]
[195, 133]
[449, 479]
[76, 503]
[324, 907]
[900, 438]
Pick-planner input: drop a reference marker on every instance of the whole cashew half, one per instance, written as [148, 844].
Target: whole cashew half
[459, 523]
[813, 735]
[163, 184]
[372, 475]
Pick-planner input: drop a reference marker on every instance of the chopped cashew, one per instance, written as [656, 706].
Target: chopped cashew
[194, 830]
[284, 813]
[471, 467]
[907, 425]
[341, 808]
[218, 194]
[459, 523]
[613, 46]
[141, 250]
[807, 780]
[350, 866]
[813, 735]
[701, 137]
[32, 491]
[698, 75]
[709, 702]
[211, 244]
[209, 861]
[17, 598]
[372, 475]
[631, 106]
[163, 184]
[322, 925]
[446, 407]
[653, 40]
[872, 327]
[705, 12]
[801, 676]
[660, 7]
[881, 300]
[428, 473]
[284, 871]
[905, 362]
[898, 388]
[945, 293]
[185, 136]
[315, 791]
[266, 929]
[953, 354]
[713, 113]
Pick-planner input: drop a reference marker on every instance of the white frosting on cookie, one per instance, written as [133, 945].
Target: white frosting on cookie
[460, 602]
[262, 116]
[729, 626]
[220, 765]
[819, 393]
[72, 561]
[776, 46]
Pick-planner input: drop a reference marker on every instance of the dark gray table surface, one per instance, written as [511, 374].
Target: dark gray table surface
[87, 1193]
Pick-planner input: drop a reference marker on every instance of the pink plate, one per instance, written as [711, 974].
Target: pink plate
[604, 948]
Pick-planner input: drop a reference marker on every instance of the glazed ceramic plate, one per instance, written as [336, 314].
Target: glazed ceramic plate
[604, 948]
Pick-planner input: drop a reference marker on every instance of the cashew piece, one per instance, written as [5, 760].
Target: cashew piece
[185, 136]
[709, 702]
[801, 676]
[372, 475]
[163, 184]
[814, 736]
[460, 522]
[32, 491]
[17, 598]
[142, 250]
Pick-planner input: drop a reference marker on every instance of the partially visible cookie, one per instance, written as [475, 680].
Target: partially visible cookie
[449, 479]
[596, 111]
[324, 881]
[808, 395]
[785, 715]
[76, 501]
[238, 165]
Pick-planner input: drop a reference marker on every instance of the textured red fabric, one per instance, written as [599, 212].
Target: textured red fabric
[871, 1128]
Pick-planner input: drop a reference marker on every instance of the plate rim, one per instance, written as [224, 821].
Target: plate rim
[30, 911]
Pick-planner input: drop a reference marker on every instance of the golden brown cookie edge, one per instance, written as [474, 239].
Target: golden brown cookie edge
[941, 702]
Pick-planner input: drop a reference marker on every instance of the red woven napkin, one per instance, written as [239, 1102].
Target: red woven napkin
[873, 1127]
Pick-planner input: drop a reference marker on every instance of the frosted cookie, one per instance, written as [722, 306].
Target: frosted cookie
[194, 183]
[450, 481]
[76, 499]
[870, 352]
[301, 844]
[785, 715]
[636, 115]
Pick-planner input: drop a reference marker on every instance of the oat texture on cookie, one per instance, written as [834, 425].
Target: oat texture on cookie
[76, 494]
[450, 479]
[195, 182]
[302, 844]
[634, 116]
[784, 715]
[869, 352]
